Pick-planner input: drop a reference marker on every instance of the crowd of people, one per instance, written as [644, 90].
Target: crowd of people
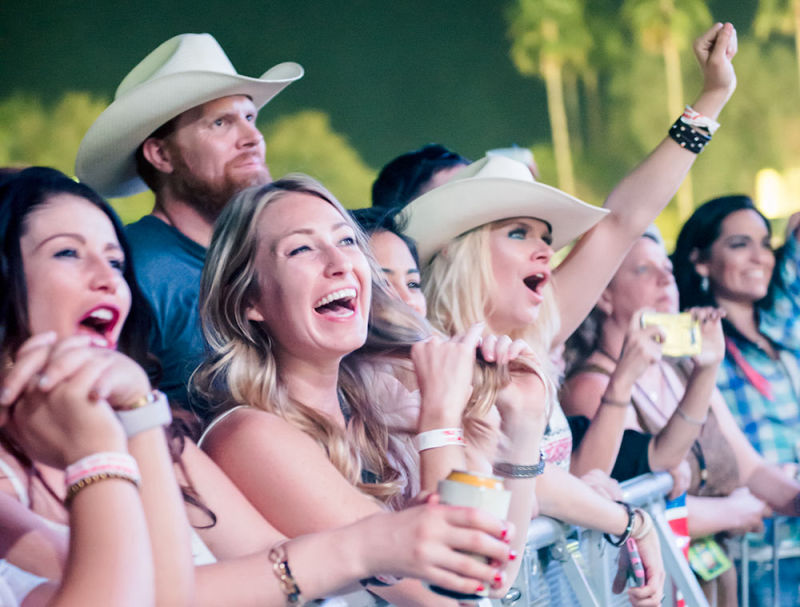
[251, 395]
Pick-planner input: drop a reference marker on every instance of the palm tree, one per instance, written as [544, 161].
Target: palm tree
[666, 27]
[547, 37]
[782, 17]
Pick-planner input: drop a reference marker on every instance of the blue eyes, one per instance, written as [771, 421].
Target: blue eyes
[522, 234]
[348, 241]
[414, 285]
[116, 264]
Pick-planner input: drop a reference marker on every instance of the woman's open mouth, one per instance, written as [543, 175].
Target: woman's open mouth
[536, 282]
[101, 321]
[339, 304]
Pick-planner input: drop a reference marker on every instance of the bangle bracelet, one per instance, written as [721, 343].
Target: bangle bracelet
[615, 403]
[507, 470]
[144, 418]
[381, 580]
[628, 528]
[280, 567]
[689, 419]
[443, 437]
[647, 524]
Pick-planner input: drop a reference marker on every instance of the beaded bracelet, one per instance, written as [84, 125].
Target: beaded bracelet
[280, 567]
[443, 437]
[76, 488]
[508, 470]
[104, 462]
[628, 528]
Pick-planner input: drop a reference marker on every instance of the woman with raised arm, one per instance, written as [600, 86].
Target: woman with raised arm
[64, 278]
[487, 237]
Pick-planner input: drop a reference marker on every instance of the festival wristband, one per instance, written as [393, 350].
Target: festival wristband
[443, 437]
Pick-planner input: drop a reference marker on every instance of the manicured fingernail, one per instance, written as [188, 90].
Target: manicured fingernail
[480, 588]
[504, 534]
[498, 579]
[512, 555]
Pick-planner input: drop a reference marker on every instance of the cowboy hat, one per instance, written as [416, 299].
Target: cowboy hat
[492, 189]
[184, 72]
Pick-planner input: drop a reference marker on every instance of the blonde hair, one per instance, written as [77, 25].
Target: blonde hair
[458, 283]
[241, 368]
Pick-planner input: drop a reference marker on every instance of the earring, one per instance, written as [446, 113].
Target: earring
[704, 284]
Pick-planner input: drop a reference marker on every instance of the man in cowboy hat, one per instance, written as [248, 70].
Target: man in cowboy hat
[183, 124]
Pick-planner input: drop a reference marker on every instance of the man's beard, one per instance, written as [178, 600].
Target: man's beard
[209, 198]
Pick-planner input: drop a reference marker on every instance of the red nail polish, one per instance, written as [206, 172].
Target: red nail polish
[480, 588]
[498, 579]
[512, 555]
[504, 534]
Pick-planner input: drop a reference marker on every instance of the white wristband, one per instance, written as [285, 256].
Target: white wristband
[439, 438]
[144, 418]
[694, 118]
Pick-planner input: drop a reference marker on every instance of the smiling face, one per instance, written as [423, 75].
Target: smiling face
[399, 268]
[216, 151]
[73, 270]
[740, 263]
[314, 281]
[520, 258]
[644, 280]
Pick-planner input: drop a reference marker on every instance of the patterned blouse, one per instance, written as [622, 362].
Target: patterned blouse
[763, 393]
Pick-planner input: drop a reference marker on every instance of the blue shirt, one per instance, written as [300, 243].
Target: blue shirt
[168, 266]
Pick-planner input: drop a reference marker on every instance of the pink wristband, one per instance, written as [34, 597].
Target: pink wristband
[443, 437]
[113, 463]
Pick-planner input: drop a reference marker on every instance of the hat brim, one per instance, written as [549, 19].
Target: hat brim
[442, 214]
[105, 159]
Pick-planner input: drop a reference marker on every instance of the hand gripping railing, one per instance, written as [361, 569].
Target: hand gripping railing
[588, 563]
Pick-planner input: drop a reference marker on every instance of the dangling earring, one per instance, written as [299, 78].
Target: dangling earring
[704, 284]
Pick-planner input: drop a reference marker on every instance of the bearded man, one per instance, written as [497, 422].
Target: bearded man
[183, 123]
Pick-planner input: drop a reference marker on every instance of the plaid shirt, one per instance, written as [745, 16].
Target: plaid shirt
[772, 426]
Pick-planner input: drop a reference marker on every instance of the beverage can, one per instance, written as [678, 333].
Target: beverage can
[474, 490]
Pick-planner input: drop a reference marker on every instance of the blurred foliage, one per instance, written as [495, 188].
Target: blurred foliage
[614, 94]
[305, 142]
[32, 133]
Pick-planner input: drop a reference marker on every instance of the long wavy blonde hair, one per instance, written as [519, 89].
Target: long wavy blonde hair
[458, 283]
[241, 368]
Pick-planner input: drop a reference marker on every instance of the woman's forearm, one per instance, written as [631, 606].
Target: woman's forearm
[166, 519]
[670, 446]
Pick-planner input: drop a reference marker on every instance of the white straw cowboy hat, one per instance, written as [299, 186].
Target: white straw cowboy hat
[185, 71]
[492, 189]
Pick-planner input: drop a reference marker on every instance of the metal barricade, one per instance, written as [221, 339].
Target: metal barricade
[565, 566]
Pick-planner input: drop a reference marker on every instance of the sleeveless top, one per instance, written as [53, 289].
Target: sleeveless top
[201, 555]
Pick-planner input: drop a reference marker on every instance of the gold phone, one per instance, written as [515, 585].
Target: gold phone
[682, 332]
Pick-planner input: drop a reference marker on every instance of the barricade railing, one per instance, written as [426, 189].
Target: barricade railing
[565, 566]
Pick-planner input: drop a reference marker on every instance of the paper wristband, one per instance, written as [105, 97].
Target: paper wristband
[443, 437]
[144, 418]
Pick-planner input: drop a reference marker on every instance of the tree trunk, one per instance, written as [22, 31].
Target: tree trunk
[796, 6]
[551, 70]
[675, 102]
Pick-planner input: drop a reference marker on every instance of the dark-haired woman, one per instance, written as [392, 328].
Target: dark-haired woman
[724, 257]
[68, 299]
